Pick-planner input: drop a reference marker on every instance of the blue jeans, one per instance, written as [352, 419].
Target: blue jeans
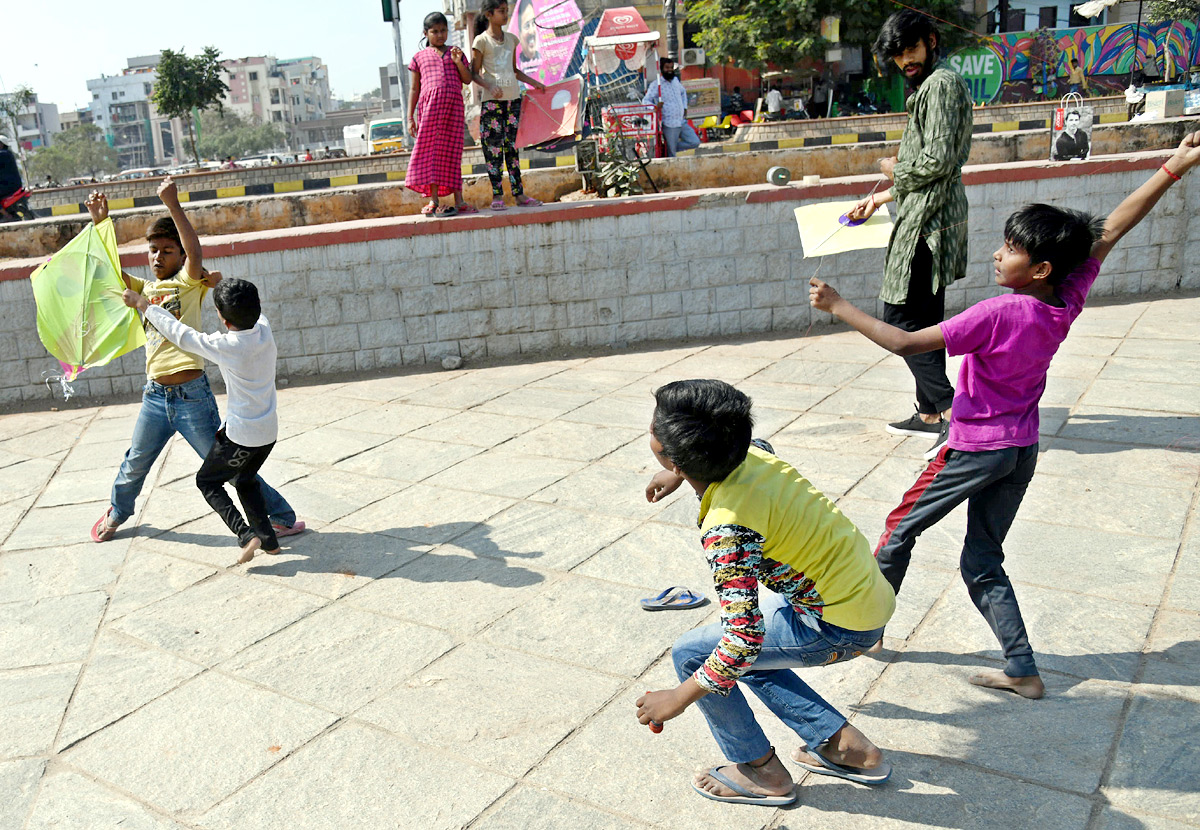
[191, 410]
[680, 138]
[788, 643]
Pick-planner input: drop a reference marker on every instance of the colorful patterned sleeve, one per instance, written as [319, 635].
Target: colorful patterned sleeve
[734, 554]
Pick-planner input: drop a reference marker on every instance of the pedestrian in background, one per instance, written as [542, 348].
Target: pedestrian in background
[435, 120]
[494, 67]
[667, 92]
[928, 247]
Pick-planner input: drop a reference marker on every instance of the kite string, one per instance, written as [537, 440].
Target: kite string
[50, 378]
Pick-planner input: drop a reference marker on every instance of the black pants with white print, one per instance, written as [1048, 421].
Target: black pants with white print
[230, 462]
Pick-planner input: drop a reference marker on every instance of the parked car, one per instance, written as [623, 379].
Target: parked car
[139, 173]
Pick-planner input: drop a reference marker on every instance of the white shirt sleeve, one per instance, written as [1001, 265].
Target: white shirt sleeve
[184, 336]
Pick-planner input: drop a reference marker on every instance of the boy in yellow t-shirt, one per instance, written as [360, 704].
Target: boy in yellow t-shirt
[763, 524]
[177, 397]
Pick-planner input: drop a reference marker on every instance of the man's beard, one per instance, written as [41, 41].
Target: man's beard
[915, 81]
[670, 76]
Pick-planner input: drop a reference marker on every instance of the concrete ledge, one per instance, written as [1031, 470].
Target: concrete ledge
[313, 207]
[379, 294]
[403, 227]
[991, 118]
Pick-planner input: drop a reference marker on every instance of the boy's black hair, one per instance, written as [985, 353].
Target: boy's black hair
[164, 228]
[1075, 113]
[237, 300]
[1060, 236]
[486, 8]
[704, 427]
[903, 30]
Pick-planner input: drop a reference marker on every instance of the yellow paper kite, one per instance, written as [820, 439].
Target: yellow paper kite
[80, 316]
[825, 230]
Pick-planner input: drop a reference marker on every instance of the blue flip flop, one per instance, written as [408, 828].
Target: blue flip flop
[860, 775]
[744, 796]
[674, 598]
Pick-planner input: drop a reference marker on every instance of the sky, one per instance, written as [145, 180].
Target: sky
[55, 46]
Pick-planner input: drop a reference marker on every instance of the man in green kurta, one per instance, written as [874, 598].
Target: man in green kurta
[928, 248]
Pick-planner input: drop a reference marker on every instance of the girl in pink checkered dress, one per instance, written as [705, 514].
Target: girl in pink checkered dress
[435, 117]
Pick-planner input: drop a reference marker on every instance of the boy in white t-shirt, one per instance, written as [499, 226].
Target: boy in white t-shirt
[246, 358]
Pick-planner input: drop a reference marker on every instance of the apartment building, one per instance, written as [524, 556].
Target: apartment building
[282, 92]
[121, 107]
[36, 123]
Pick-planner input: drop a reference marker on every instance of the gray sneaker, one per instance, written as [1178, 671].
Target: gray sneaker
[914, 426]
[943, 434]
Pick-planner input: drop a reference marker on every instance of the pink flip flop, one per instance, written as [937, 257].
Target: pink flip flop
[465, 209]
[498, 204]
[102, 531]
[528, 201]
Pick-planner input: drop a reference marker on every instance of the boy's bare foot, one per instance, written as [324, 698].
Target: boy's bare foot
[1030, 687]
[878, 647]
[848, 747]
[772, 778]
[248, 550]
[275, 552]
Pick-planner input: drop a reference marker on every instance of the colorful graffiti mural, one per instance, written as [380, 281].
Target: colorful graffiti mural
[1107, 53]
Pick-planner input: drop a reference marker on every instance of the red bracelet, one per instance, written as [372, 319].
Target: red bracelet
[1169, 173]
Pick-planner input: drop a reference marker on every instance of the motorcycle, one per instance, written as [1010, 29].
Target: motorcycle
[15, 206]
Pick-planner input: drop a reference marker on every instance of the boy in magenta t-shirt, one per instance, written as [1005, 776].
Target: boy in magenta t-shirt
[1050, 258]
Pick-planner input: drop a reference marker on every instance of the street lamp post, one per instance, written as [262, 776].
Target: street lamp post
[672, 29]
[401, 74]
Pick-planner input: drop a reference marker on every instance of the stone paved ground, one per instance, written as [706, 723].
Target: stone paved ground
[458, 642]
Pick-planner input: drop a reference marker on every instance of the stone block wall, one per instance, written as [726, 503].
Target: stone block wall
[377, 294]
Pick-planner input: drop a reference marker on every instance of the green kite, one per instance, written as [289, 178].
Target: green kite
[81, 318]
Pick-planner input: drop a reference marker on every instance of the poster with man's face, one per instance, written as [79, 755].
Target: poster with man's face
[541, 53]
[1071, 134]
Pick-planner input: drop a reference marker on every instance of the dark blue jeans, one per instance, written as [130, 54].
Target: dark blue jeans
[191, 410]
[788, 643]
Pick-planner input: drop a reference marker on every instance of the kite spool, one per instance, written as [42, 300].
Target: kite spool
[845, 219]
[779, 176]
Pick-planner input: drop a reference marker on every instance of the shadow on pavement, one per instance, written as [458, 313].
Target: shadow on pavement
[393, 553]
[1107, 432]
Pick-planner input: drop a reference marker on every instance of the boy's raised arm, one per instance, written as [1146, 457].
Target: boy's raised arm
[1138, 203]
[824, 297]
[194, 266]
[97, 207]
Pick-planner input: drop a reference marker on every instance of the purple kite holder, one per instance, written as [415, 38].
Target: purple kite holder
[845, 219]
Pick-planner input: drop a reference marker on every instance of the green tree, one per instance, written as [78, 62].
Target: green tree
[1173, 10]
[186, 84]
[10, 107]
[754, 33]
[228, 134]
[75, 152]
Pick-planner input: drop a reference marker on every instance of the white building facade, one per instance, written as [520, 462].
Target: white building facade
[282, 92]
[35, 124]
[132, 126]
